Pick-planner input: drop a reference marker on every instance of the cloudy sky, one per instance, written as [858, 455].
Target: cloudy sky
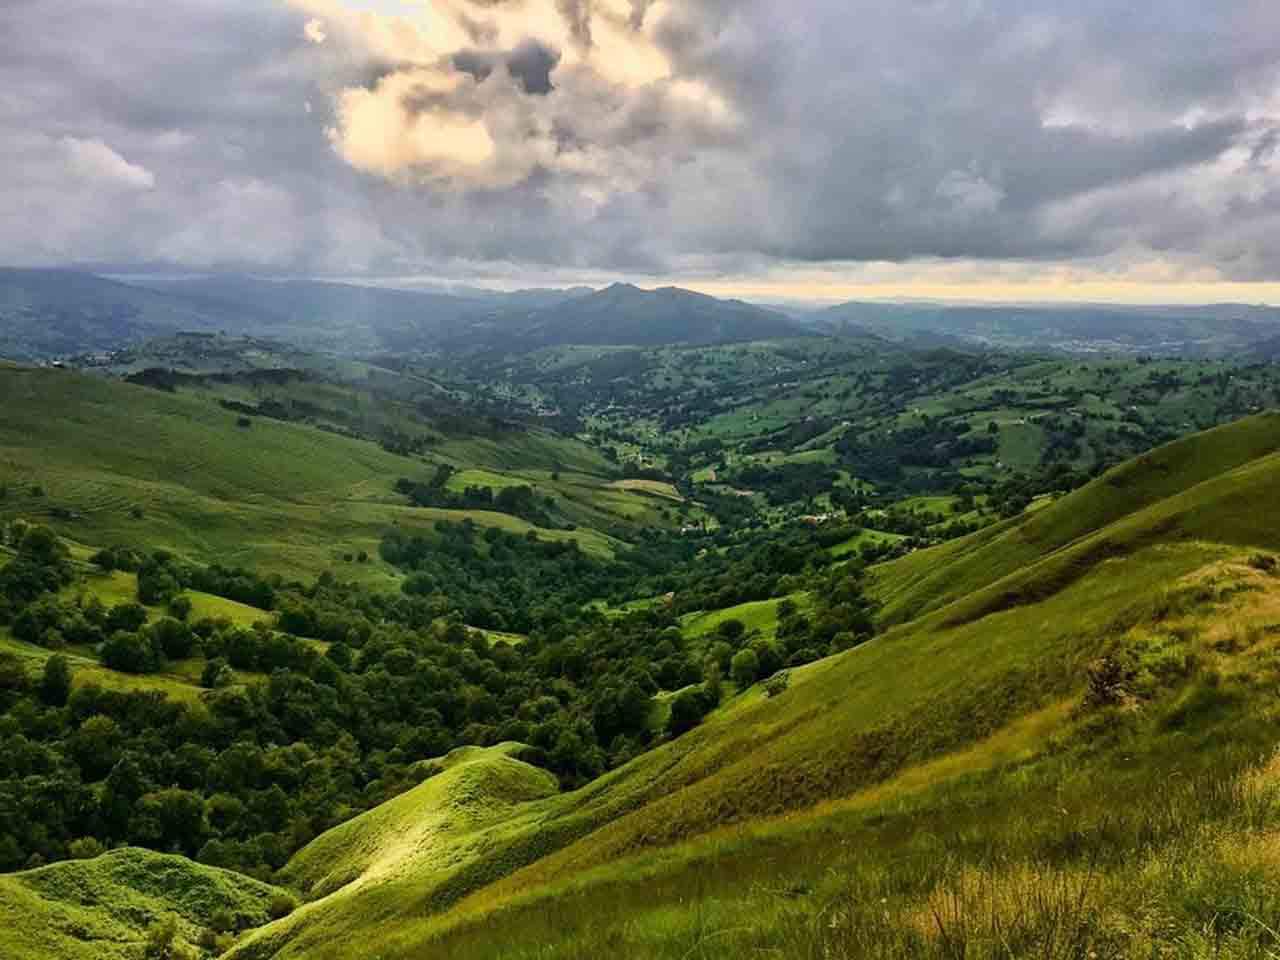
[1027, 149]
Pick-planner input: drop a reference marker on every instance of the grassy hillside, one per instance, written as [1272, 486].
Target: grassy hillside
[964, 738]
[102, 909]
[927, 579]
[1060, 748]
[112, 463]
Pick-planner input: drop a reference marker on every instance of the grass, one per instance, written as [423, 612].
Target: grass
[101, 909]
[838, 729]
[1062, 834]
[119, 464]
[928, 579]
[759, 616]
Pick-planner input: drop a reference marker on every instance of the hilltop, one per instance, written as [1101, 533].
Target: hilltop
[626, 315]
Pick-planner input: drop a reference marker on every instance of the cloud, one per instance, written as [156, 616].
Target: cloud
[642, 135]
[94, 161]
[314, 31]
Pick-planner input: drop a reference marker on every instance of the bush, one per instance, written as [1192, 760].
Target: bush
[55, 684]
[86, 848]
[1264, 562]
[128, 617]
[162, 942]
[281, 906]
[777, 684]
[686, 713]
[1108, 683]
[744, 668]
[180, 607]
[217, 673]
[130, 653]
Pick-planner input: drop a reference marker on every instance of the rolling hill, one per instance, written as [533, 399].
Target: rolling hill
[748, 832]
[625, 315]
[50, 313]
[1059, 747]
[114, 463]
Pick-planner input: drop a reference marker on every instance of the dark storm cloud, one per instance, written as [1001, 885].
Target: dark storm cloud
[205, 131]
[530, 64]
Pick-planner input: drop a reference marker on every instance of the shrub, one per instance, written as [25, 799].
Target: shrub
[180, 607]
[162, 942]
[777, 684]
[744, 667]
[55, 684]
[1264, 562]
[1108, 683]
[686, 713]
[130, 653]
[217, 673]
[280, 906]
[86, 848]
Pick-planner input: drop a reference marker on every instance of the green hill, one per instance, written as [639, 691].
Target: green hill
[917, 766]
[102, 909]
[1061, 747]
[113, 463]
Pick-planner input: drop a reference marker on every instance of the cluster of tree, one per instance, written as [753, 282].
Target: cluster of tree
[162, 577]
[788, 482]
[943, 445]
[519, 501]
[294, 736]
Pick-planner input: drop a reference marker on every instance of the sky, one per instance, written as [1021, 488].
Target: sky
[808, 149]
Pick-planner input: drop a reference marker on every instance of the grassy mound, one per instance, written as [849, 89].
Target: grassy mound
[101, 909]
[464, 826]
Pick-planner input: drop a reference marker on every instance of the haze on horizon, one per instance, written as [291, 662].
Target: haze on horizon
[1037, 150]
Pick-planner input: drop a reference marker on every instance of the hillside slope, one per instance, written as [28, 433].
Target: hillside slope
[101, 909]
[45, 313]
[894, 732]
[108, 463]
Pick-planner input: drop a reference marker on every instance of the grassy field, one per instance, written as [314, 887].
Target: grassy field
[113, 463]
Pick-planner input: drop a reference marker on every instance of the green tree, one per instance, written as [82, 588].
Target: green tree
[55, 683]
[744, 668]
[686, 713]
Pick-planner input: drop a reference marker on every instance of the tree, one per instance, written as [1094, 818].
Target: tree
[217, 673]
[744, 668]
[180, 607]
[686, 713]
[732, 630]
[127, 616]
[130, 653]
[55, 684]
[173, 638]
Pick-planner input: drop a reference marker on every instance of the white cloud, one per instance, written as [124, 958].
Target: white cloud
[314, 31]
[94, 161]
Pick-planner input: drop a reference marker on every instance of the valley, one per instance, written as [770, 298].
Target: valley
[668, 649]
